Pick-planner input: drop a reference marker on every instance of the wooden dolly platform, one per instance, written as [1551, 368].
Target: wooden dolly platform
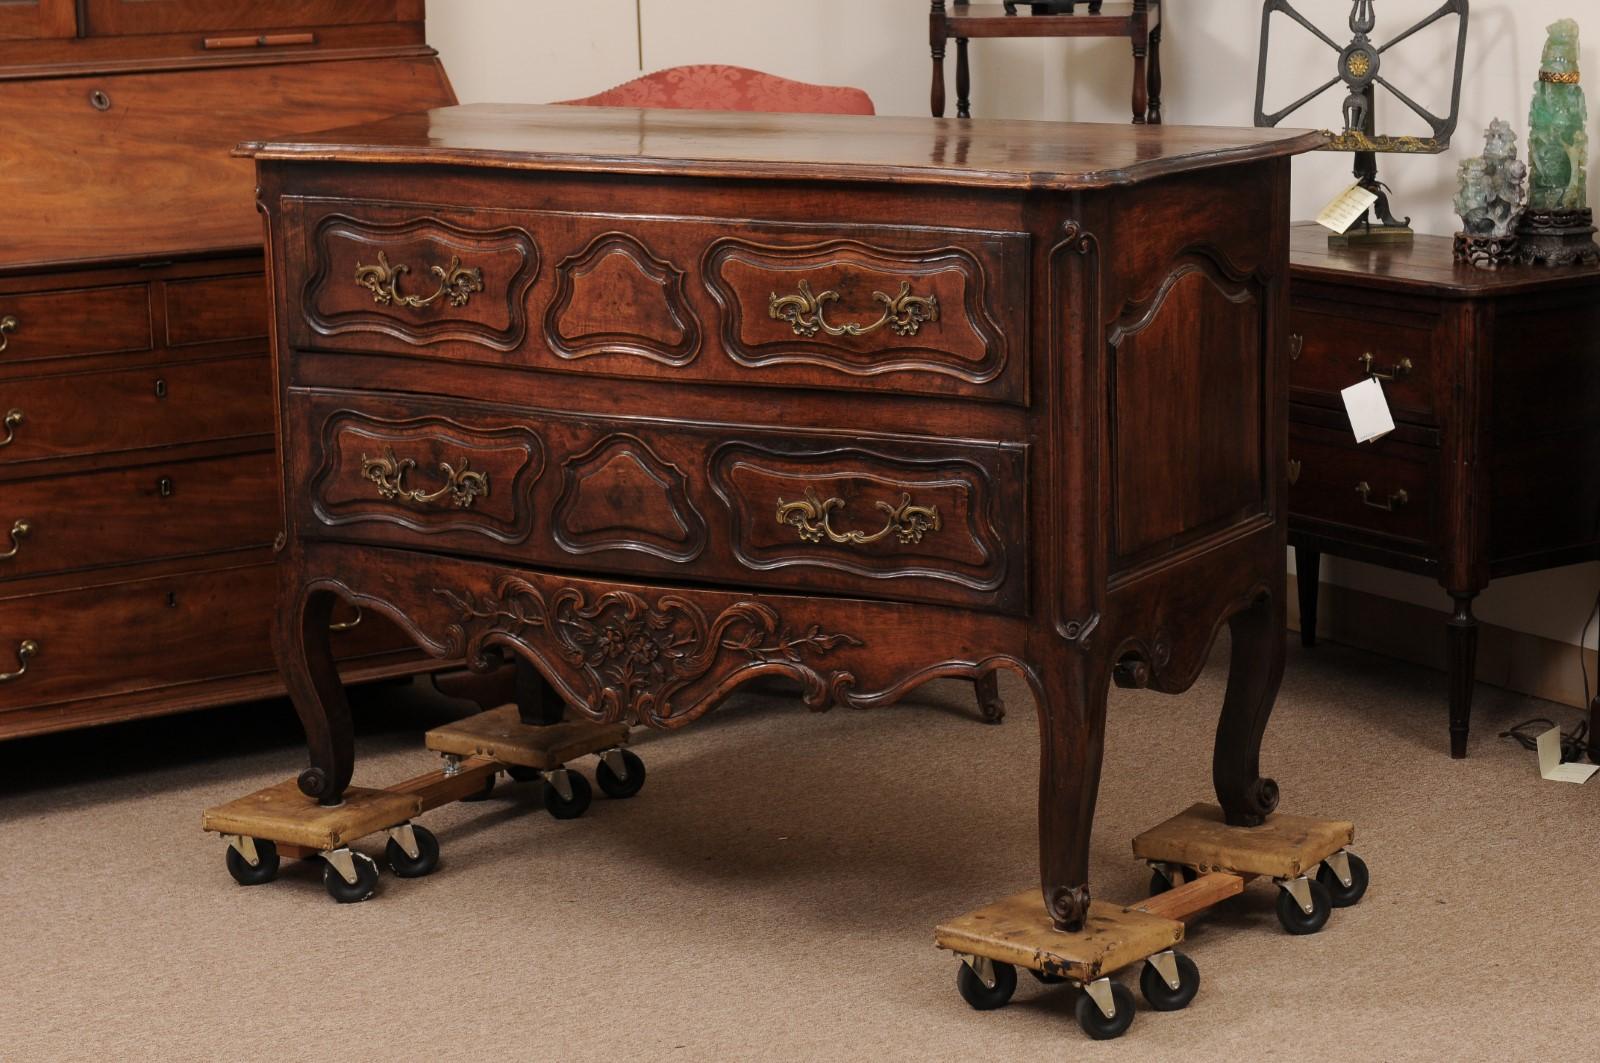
[265, 827]
[1199, 862]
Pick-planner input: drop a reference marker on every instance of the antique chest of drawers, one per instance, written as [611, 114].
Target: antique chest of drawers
[663, 402]
[1493, 379]
[138, 498]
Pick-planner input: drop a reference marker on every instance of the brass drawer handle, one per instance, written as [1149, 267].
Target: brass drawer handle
[456, 284]
[13, 418]
[810, 517]
[8, 325]
[25, 653]
[1403, 369]
[903, 314]
[1297, 345]
[1396, 500]
[346, 625]
[463, 486]
[19, 531]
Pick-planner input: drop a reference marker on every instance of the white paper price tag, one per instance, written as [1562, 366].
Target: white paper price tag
[1346, 209]
[1368, 410]
[1550, 766]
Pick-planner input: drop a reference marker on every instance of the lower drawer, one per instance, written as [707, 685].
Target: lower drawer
[131, 409]
[175, 509]
[1385, 487]
[147, 634]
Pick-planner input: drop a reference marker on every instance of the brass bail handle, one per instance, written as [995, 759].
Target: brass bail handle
[26, 652]
[1395, 501]
[19, 531]
[12, 419]
[8, 325]
[1403, 368]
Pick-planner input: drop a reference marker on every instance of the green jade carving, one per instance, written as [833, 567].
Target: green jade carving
[1558, 142]
[1492, 196]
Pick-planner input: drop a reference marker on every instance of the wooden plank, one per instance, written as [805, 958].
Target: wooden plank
[500, 734]
[1194, 896]
[1283, 847]
[283, 814]
[436, 788]
[1017, 930]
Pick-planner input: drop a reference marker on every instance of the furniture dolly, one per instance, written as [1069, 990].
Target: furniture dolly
[279, 822]
[1198, 861]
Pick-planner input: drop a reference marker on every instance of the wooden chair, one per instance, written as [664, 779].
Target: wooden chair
[714, 87]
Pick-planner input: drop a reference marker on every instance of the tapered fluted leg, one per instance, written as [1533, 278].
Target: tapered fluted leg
[1308, 577]
[1255, 670]
[305, 659]
[1462, 653]
[1072, 716]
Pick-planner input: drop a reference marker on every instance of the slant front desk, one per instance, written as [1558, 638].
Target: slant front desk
[666, 401]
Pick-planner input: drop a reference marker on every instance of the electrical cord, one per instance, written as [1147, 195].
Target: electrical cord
[1573, 743]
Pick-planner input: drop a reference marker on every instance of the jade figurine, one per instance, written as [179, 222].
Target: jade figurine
[1558, 142]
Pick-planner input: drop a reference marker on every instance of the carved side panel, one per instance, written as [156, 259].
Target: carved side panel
[864, 311]
[1187, 391]
[616, 297]
[426, 474]
[421, 280]
[947, 518]
[620, 495]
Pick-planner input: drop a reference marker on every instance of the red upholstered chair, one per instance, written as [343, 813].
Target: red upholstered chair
[712, 87]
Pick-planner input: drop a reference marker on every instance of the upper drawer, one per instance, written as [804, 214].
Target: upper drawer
[61, 324]
[1335, 348]
[110, 412]
[899, 518]
[893, 308]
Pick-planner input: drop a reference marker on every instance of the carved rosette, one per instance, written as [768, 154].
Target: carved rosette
[634, 655]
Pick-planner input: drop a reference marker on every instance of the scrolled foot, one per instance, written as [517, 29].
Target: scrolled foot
[314, 783]
[991, 708]
[1068, 907]
[1252, 808]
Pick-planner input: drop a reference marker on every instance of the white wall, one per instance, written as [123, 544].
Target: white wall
[541, 50]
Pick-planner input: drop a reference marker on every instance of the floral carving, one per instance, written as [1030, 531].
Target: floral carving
[635, 655]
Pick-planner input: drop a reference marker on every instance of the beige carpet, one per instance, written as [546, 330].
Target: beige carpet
[772, 893]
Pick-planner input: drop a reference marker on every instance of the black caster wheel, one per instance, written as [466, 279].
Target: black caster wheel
[427, 858]
[615, 787]
[483, 794]
[1094, 1021]
[980, 996]
[1344, 896]
[1162, 996]
[366, 883]
[563, 809]
[1295, 919]
[266, 868]
[1159, 883]
[519, 773]
[1046, 979]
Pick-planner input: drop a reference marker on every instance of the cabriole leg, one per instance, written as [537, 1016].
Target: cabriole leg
[1255, 670]
[305, 658]
[1072, 716]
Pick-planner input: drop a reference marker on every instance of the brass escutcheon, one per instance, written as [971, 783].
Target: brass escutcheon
[903, 314]
[811, 518]
[19, 531]
[456, 284]
[1297, 345]
[28, 650]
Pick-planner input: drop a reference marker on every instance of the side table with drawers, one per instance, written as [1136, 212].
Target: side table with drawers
[1494, 465]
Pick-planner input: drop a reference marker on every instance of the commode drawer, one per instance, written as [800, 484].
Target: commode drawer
[40, 326]
[901, 518]
[1333, 350]
[104, 413]
[894, 308]
[174, 509]
[1386, 487]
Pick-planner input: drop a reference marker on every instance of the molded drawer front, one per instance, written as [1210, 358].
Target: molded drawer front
[215, 309]
[1337, 350]
[61, 324]
[894, 308]
[125, 637]
[1386, 487]
[103, 413]
[899, 518]
[176, 509]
